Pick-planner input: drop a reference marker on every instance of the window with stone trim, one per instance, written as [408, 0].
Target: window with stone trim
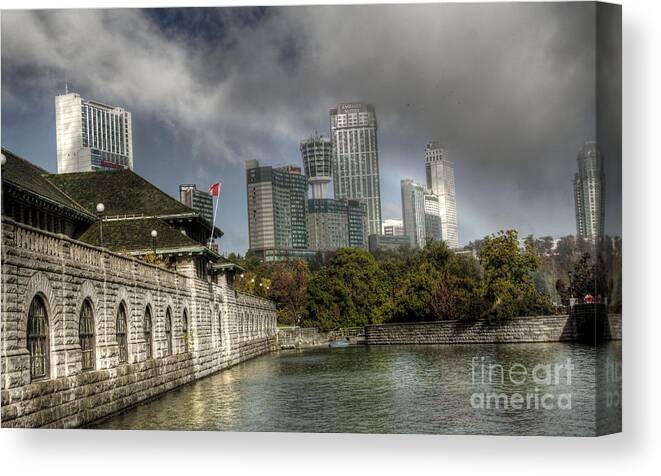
[121, 334]
[168, 330]
[38, 341]
[184, 329]
[147, 334]
[220, 328]
[86, 335]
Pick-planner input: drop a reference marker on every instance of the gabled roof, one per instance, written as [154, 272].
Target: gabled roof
[133, 235]
[133, 207]
[123, 192]
[27, 177]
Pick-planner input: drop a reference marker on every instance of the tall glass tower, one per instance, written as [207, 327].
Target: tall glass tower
[589, 193]
[440, 180]
[277, 208]
[356, 158]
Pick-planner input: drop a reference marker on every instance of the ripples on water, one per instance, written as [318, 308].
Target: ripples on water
[393, 389]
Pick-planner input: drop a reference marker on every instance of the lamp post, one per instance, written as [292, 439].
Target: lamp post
[571, 289]
[100, 208]
[154, 234]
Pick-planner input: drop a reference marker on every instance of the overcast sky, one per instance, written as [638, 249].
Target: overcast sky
[509, 89]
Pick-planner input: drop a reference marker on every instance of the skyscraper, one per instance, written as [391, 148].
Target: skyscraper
[413, 212]
[334, 224]
[277, 207]
[356, 159]
[392, 227]
[589, 193]
[433, 228]
[440, 180]
[91, 135]
[317, 162]
[198, 200]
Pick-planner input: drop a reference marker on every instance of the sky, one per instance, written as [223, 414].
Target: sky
[510, 90]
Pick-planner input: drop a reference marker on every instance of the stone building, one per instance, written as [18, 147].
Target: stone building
[88, 328]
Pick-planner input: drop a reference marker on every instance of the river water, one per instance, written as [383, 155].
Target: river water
[520, 389]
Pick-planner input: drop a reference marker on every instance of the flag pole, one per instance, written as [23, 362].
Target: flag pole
[215, 211]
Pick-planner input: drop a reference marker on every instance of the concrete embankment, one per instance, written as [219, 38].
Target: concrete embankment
[560, 328]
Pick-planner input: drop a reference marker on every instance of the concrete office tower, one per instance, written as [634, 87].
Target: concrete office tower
[413, 212]
[393, 227]
[589, 184]
[334, 224]
[433, 227]
[317, 159]
[440, 180]
[277, 207]
[356, 158]
[198, 200]
[91, 135]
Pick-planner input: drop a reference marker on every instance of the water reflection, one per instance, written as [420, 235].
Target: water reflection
[394, 389]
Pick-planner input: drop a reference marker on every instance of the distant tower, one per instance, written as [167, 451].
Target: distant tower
[413, 212]
[277, 208]
[589, 193]
[317, 158]
[198, 200]
[392, 227]
[91, 135]
[440, 180]
[356, 158]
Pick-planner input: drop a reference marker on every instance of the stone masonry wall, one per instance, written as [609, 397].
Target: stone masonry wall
[225, 327]
[517, 330]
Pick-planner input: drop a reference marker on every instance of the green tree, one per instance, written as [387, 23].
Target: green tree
[508, 284]
[253, 283]
[350, 291]
[457, 294]
[289, 289]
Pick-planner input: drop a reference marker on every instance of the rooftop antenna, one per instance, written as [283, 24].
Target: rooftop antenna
[66, 87]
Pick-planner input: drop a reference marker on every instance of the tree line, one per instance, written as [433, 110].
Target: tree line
[498, 277]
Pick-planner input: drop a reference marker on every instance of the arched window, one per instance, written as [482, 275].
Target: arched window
[147, 333]
[86, 334]
[184, 329]
[168, 330]
[38, 339]
[220, 328]
[120, 332]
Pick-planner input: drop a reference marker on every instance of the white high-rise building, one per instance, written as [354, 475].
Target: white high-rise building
[413, 212]
[433, 229]
[440, 180]
[392, 227]
[91, 135]
[356, 158]
[589, 193]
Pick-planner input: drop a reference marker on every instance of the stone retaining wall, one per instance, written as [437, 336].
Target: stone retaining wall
[517, 330]
[225, 327]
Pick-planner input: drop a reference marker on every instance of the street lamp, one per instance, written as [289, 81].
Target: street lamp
[100, 208]
[571, 289]
[154, 234]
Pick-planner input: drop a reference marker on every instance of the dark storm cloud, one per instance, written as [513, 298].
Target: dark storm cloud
[508, 88]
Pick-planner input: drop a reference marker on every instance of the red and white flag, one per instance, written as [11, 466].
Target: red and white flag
[215, 189]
